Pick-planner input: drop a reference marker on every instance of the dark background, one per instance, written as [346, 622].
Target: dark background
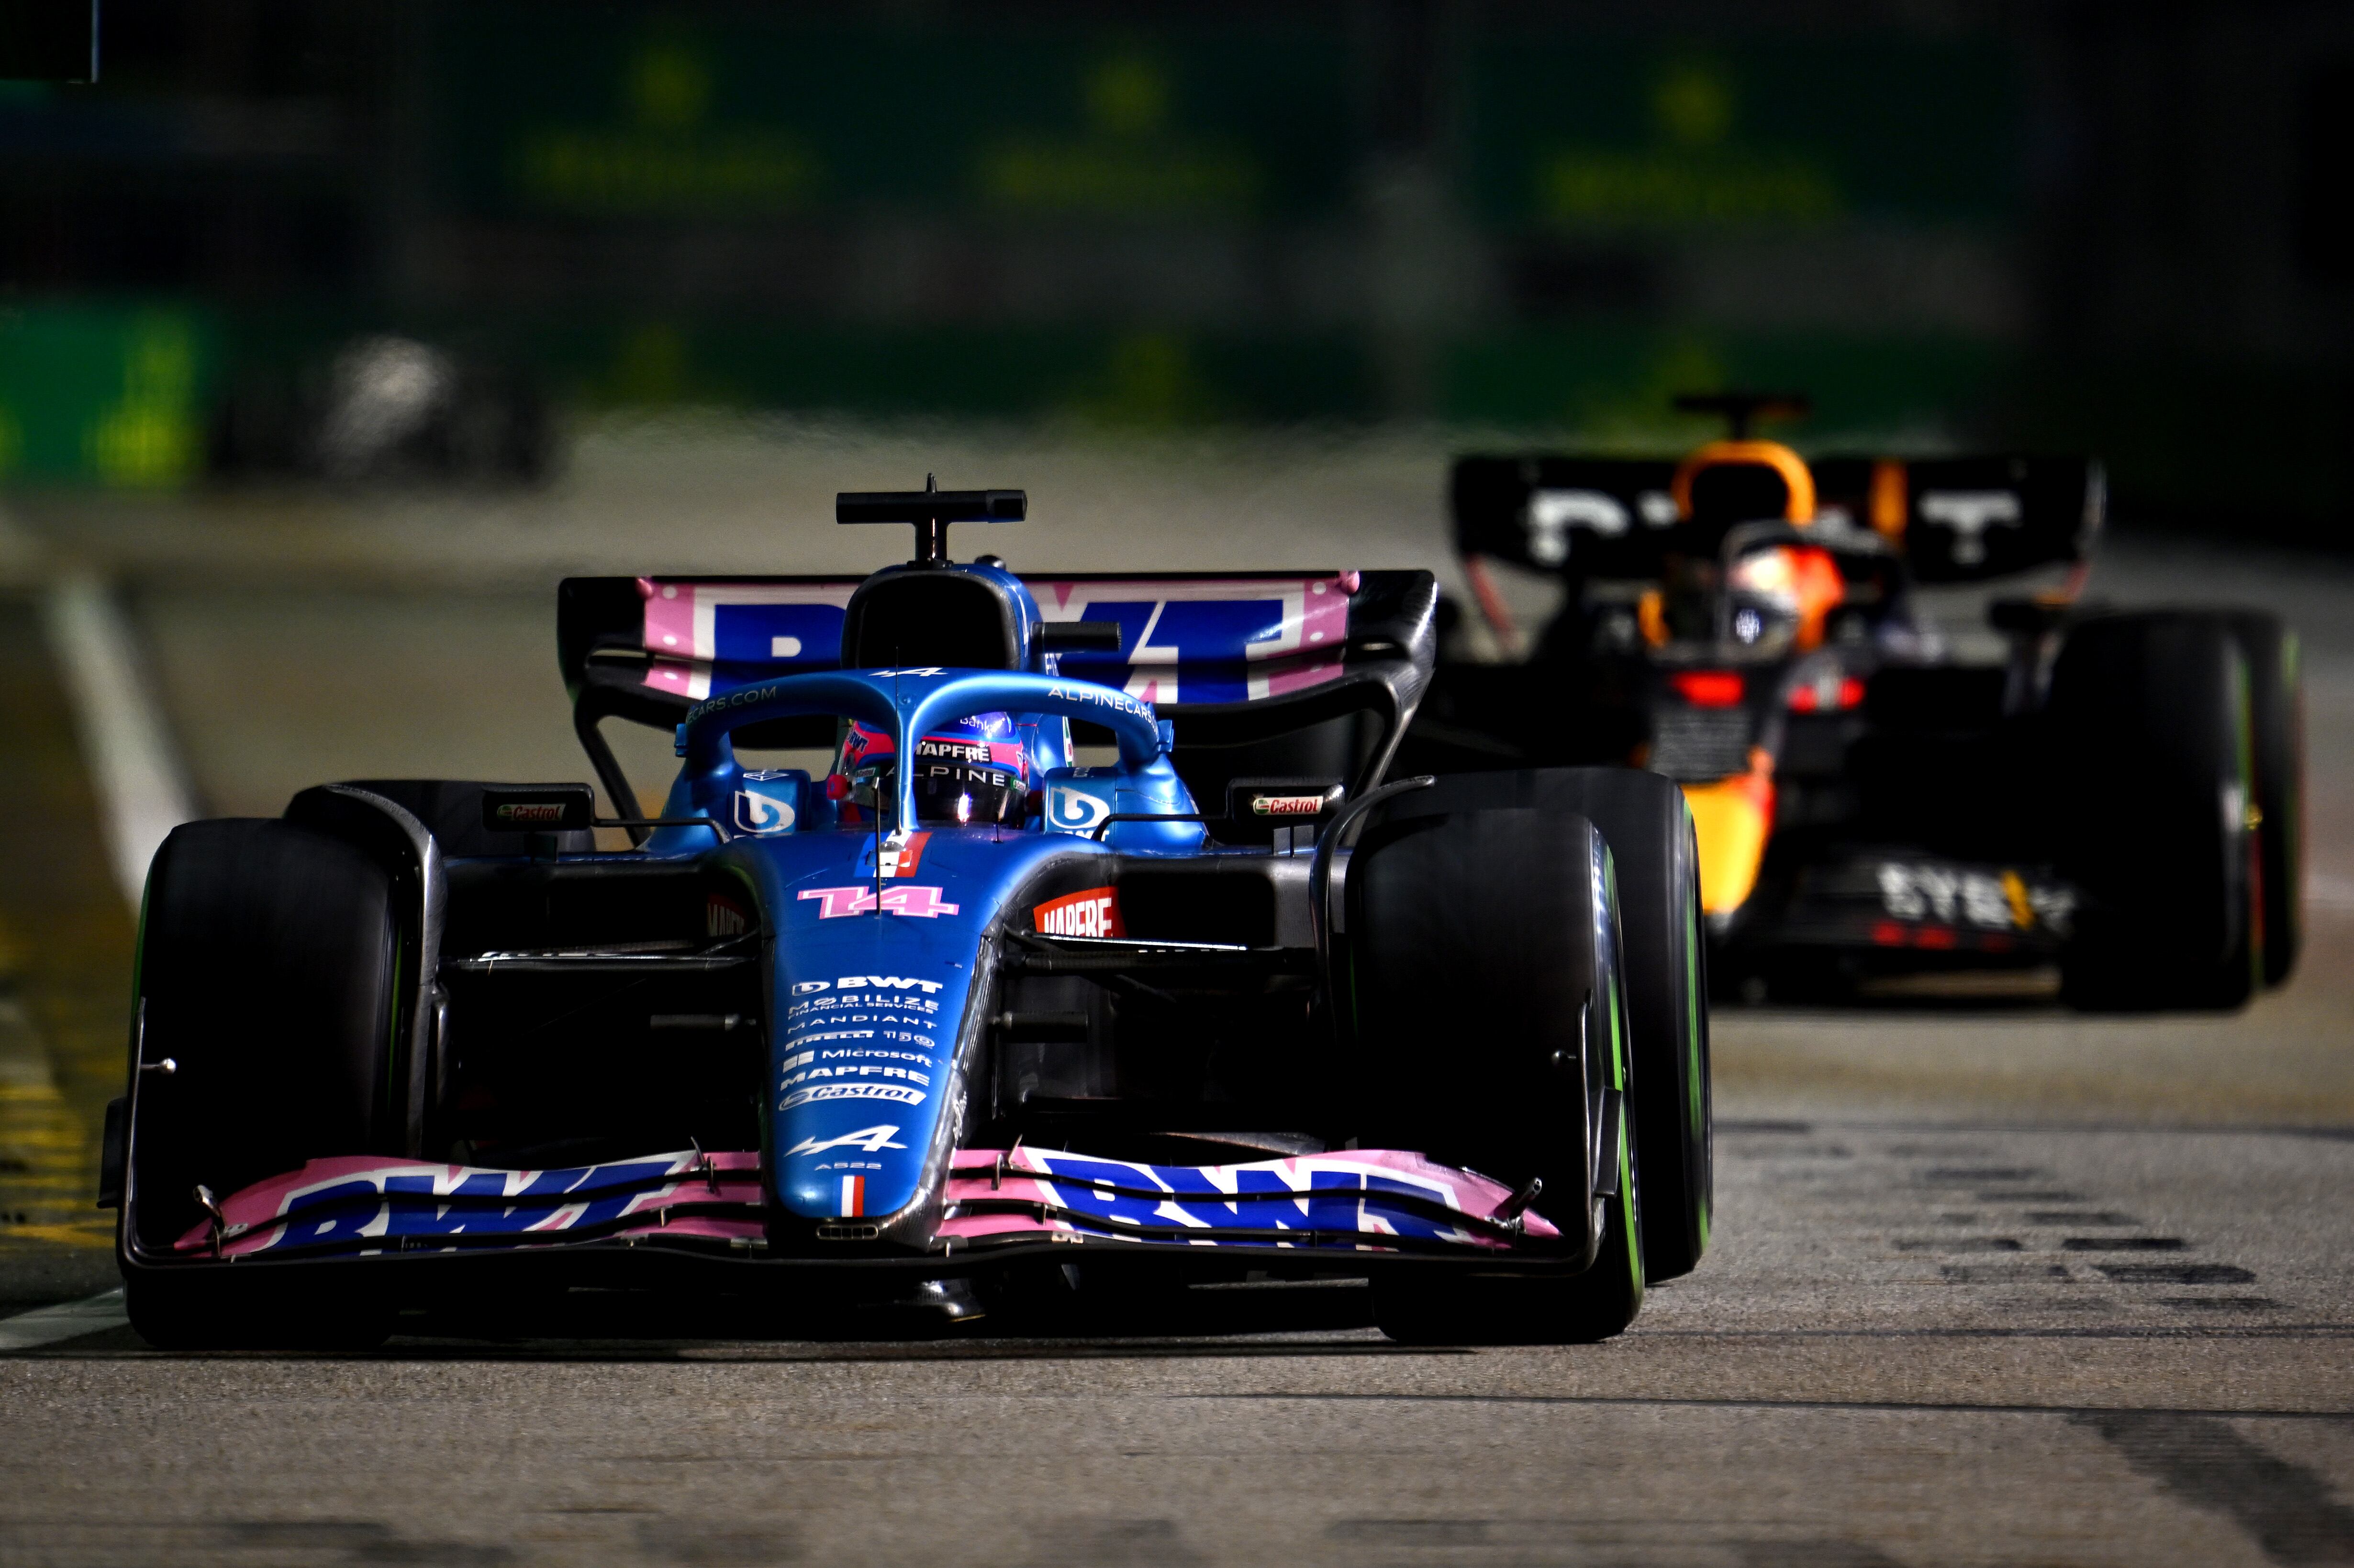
[2121, 228]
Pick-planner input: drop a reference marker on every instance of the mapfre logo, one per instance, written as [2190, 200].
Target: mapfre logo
[1094, 913]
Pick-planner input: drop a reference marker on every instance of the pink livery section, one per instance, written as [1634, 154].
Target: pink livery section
[1181, 639]
[365, 1203]
[1365, 1200]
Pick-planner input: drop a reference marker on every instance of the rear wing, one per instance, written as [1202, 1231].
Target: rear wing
[1232, 658]
[1588, 517]
[1970, 519]
[1967, 519]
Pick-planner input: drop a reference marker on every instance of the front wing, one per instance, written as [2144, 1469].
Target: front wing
[1367, 1201]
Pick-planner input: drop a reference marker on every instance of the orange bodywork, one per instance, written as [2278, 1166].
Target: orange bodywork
[1733, 818]
[1889, 500]
[1797, 479]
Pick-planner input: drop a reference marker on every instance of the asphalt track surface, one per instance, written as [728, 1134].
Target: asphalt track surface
[1991, 1283]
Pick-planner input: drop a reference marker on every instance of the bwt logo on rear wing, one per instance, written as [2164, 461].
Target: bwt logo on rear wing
[1183, 637]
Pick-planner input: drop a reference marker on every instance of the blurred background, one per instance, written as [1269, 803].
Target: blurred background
[447, 241]
[332, 336]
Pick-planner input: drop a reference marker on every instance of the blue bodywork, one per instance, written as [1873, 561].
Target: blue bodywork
[874, 982]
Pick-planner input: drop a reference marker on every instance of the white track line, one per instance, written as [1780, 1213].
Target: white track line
[141, 790]
[47, 1325]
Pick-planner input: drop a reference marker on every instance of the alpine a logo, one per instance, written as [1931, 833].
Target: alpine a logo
[1093, 913]
[872, 1140]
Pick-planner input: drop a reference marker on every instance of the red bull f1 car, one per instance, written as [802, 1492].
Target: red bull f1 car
[997, 930]
[1880, 782]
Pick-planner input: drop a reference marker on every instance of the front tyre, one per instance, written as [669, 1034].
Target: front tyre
[1488, 1001]
[268, 962]
[1487, 1310]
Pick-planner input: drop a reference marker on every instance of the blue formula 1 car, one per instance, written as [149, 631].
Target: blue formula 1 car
[1089, 941]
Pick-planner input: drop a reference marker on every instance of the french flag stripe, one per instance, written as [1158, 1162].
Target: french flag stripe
[854, 1195]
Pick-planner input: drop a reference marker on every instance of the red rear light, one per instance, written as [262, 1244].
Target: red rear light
[1818, 696]
[1708, 688]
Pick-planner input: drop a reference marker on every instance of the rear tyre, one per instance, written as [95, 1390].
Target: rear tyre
[2276, 723]
[2154, 716]
[269, 961]
[1490, 1006]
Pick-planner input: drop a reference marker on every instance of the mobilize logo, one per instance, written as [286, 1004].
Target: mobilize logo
[836, 902]
[528, 813]
[865, 982]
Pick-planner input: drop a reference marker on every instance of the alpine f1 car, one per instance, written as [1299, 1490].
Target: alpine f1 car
[961, 1008]
[2116, 793]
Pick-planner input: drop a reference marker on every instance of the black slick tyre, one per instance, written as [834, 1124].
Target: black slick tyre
[269, 961]
[1487, 1006]
[1663, 951]
[2153, 716]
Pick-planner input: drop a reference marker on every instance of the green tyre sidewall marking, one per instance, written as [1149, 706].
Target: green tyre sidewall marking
[2251, 850]
[1629, 1209]
[2293, 787]
[1629, 1212]
[1696, 1096]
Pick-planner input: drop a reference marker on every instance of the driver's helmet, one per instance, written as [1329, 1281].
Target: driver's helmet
[972, 771]
[1782, 595]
